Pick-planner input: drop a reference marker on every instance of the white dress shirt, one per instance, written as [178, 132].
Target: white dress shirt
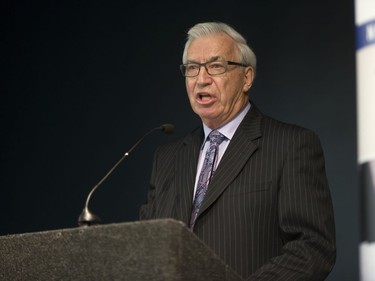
[228, 131]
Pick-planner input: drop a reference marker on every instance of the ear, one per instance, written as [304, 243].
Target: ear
[249, 78]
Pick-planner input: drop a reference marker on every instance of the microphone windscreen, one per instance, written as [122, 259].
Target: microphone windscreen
[167, 128]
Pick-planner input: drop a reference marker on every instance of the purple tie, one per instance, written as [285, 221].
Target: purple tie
[206, 174]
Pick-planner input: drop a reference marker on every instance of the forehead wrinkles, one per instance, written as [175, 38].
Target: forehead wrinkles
[208, 47]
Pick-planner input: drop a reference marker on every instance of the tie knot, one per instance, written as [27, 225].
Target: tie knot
[216, 137]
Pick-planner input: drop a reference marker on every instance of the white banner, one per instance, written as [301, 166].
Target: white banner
[365, 57]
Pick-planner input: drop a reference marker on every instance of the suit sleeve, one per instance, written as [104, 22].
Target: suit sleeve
[147, 210]
[305, 215]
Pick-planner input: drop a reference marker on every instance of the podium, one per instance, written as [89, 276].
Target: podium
[152, 250]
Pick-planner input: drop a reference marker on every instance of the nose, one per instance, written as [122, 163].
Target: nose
[203, 76]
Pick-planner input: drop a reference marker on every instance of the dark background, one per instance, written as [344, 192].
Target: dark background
[82, 81]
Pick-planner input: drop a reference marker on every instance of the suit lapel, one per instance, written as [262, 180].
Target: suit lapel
[235, 157]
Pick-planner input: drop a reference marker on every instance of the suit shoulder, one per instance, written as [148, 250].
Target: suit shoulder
[179, 142]
[272, 125]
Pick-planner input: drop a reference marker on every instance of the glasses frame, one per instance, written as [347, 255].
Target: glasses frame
[226, 63]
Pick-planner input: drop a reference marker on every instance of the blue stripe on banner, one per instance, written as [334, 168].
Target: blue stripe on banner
[366, 34]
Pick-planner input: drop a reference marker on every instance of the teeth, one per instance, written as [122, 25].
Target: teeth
[204, 97]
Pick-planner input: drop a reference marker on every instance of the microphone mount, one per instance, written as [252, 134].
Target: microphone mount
[87, 218]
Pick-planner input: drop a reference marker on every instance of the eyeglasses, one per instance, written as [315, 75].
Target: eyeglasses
[213, 67]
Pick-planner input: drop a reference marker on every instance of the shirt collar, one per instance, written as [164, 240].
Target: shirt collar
[229, 128]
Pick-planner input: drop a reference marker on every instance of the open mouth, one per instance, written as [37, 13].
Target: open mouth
[204, 98]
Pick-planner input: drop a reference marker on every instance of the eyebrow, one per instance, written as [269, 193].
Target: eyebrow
[215, 58]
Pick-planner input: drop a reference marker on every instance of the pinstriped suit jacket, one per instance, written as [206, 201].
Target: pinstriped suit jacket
[267, 212]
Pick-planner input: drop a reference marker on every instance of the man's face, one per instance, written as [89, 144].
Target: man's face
[217, 99]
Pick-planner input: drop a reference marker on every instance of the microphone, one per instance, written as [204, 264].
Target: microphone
[87, 218]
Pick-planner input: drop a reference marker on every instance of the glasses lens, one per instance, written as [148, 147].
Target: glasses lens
[190, 69]
[216, 67]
